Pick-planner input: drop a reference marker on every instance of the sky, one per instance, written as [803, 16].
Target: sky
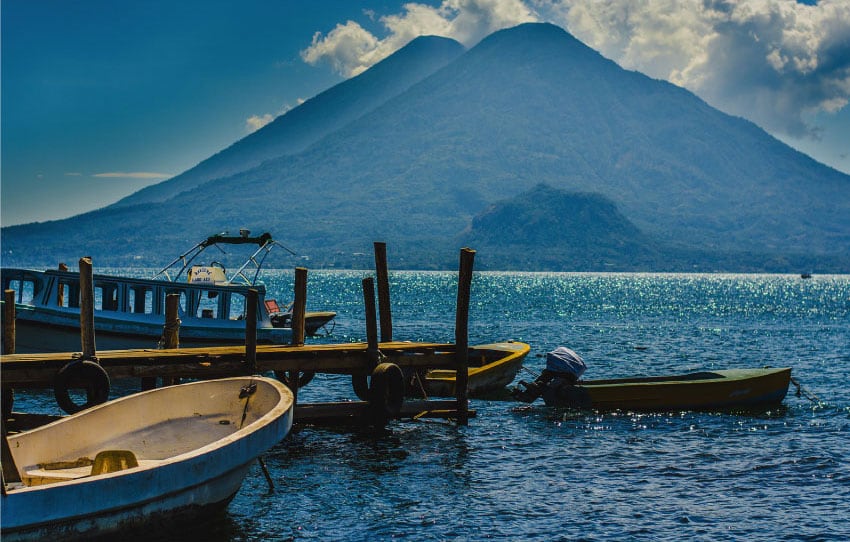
[102, 98]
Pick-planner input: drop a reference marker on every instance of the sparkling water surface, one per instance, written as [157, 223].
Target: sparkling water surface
[529, 472]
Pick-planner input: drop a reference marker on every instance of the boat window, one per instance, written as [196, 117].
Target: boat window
[236, 310]
[207, 304]
[106, 296]
[24, 290]
[140, 299]
[68, 293]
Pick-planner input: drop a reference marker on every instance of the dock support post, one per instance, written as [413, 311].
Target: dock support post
[60, 296]
[293, 378]
[467, 258]
[171, 331]
[87, 309]
[371, 319]
[170, 338]
[251, 330]
[9, 321]
[383, 291]
[299, 306]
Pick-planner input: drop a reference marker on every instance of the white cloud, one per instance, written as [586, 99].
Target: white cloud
[255, 122]
[772, 61]
[132, 175]
[350, 49]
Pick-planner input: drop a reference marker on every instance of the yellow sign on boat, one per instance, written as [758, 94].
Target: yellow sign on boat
[205, 274]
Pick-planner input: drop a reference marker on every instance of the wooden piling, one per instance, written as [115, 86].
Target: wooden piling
[60, 299]
[371, 318]
[251, 330]
[8, 321]
[170, 338]
[467, 258]
[171, 330]
[299, 306]
[87, 309]
[383, 292]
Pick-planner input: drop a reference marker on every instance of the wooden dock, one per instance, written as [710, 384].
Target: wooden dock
[39, 370]
[360, 360]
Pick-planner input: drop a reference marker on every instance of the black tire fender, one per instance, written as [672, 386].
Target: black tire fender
[85, 375]
[386, 390]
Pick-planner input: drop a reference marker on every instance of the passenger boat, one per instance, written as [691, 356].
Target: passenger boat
[154, 456]
[704, 390]
[492, 367]
[130, 312]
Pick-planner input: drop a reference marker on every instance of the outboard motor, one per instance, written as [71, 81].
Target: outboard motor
[563, 368]
[564, 363]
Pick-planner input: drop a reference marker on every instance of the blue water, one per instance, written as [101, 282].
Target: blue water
[520, 472]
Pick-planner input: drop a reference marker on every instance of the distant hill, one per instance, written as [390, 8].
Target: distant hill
[554, 230]
[527, 126]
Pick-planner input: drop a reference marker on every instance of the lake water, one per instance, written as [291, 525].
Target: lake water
[533, 473]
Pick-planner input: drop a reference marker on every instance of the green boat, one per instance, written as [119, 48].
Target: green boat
[705, 390]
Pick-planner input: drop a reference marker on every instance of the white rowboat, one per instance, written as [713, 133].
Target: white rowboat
[153, 456]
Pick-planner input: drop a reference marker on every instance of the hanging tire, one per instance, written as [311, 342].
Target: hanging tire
[386, 391]
[304, 378]
[85, 375]
[360, 383]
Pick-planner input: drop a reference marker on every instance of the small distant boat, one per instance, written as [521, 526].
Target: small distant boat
[492, 367]
[158, 455]
[706, 390]
[805, 275]
[130, 312]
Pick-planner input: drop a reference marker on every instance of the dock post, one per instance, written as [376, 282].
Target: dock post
[299, 306]
[371, 319]
[171, 331]
[87, 309]
[9, 321]
[170, 338]
[467, 257]
[60, 295]
[360, 382]
[251, 330]
[383, 291]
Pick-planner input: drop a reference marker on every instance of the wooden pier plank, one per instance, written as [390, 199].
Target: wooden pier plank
[38, 370]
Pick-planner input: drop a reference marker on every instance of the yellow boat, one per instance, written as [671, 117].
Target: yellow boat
[492, 367]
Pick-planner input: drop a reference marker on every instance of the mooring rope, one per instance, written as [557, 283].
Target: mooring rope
[168, 329]
[809, 395]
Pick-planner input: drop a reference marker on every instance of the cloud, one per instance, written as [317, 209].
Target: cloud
[350, 49]
[774, 62]
[255, 122]
[133, 175]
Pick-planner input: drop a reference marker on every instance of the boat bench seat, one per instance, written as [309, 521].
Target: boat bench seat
[51, 474]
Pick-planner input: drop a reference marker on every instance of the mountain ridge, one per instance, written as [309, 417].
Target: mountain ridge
[526, 107]
[302, 126]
